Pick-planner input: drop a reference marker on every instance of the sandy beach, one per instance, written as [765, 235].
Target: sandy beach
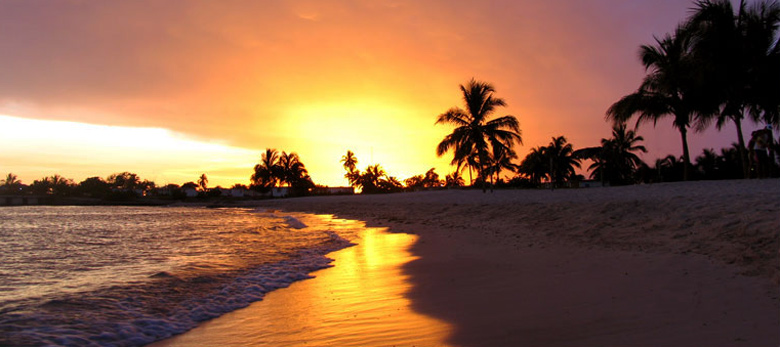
[677, 264]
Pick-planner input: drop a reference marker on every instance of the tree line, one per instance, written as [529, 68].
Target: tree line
[720, 65]
[118, 186]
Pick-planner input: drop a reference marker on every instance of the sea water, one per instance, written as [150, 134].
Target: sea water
[128, 276]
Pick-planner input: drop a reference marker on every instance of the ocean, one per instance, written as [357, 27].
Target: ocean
[129, 276]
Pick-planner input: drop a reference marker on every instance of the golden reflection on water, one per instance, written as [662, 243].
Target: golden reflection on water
[359, 302]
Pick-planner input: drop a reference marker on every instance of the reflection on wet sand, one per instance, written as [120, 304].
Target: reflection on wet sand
[359, 302]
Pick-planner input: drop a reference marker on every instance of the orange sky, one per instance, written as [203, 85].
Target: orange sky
[190, 87]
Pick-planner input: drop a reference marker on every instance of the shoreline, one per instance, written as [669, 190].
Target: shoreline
[359, 301]
[735, 222]
[677, 264]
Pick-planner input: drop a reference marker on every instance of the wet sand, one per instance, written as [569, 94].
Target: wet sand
[676, 264]
[361, 301]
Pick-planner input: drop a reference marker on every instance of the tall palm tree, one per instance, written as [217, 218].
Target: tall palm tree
[762, 21]
[203, 182]
[671, 89]
[476, 134]
[267, 171]
[350, 161]
[735, 51]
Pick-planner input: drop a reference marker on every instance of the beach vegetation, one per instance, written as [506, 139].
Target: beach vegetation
[478, 136]
[123, 181]
[615, 161]
[285, 168]
[266, 172]
[203, 182]
[739, 54]
[374, 179]
[670, 89]
[428, 180]
[719, 66]
[454, 180]
[350, 161]
[555, 164]
[563, 163]
[94, 187]
[53, 185]
[534, 166]
[11, 184]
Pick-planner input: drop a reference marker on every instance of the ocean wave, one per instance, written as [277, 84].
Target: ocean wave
[172, 272]
[167, 305]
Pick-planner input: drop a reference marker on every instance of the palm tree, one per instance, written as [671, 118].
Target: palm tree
[734, 50]
[454, 180]
[11, 180]
[562, 162]
[762, 21]
[502, 160]
[291, 169]
[370, 180]
[11, 184]
[615, 161]
[475, 133]
[350, 161]
[535, 166]
[669, 90]
[708, 164]
[203, 182]
[670, 168]
[267, 171]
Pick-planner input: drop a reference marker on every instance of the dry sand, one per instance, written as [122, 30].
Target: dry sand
[678, 264]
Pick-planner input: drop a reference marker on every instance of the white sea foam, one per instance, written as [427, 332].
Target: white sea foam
[294, 223]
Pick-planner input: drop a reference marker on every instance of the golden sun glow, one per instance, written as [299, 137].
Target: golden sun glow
[77, 150]
[362, 301]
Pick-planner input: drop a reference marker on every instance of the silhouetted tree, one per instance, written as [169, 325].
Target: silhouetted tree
[124, 181]
[559, 153]
[672, 88]
[454, 180]
[350, 161]
[670, 168]
[475, 134]
[203, 182]
[267, 171]
[614, 161]
[94, 187]
[535, 166]
[738, 52]
[54, 185]
[11, 184]
[291, 169]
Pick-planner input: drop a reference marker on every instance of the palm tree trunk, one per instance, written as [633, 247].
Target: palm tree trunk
[482, 176]
[741, 142]
[686, 153]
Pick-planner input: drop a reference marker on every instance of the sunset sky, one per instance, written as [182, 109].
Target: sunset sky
[173, 89]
